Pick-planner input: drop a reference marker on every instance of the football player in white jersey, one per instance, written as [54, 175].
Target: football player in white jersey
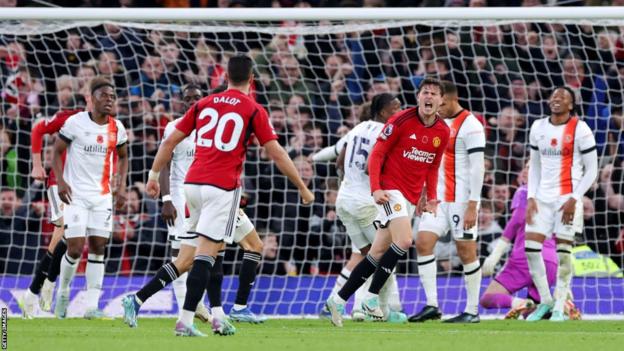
[355, 206]
[459, 189]
[172, 185]
[92, 139]
[563, 166]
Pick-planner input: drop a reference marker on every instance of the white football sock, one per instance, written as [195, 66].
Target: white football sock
[179, 290]
[67, 272]
[537, 268]
[95, 277]
[428, 271]
[360, 294]
[218, 313]
[472, 279]
[564, 275]
[341, 280]
[187, 317]
[389, 296]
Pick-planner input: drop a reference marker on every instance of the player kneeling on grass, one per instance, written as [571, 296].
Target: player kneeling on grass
[515, 274]
[85, 185]
[224, 123]
[407, 155]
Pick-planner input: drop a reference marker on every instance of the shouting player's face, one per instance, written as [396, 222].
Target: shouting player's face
[103, 100]
[429, 100]
[560, 102]
[190, 97]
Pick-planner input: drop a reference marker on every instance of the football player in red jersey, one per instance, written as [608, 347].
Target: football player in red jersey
[224, 123]
[405, 158]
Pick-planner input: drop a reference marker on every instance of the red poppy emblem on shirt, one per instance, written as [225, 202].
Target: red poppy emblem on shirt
[100, 139]
[553, 142]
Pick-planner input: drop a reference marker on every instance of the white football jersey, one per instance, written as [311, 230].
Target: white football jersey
[91, 154]
[467, 136]
[181, 159]
[359, 144]
[560, 148]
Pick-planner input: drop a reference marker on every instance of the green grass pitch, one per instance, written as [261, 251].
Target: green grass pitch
[157, 334]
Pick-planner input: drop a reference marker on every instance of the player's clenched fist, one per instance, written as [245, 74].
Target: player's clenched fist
[381, 197]
[152, 189]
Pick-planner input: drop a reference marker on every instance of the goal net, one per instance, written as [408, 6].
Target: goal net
[315, 72]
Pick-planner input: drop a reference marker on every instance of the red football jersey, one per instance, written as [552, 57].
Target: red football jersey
[224, 123]
[408, 154]
[49, 126]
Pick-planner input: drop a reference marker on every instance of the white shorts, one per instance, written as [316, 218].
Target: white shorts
[89, 217]
[547, 220]
[359, 220]
[243, 228]
[449, 217]
[56, 206]
[398, 206]
[212, 211]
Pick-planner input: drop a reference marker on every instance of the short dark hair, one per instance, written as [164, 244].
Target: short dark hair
[99, 82]
[449, 87]
[430, 81]
[239, 69]
[190, 86]
[379, 102]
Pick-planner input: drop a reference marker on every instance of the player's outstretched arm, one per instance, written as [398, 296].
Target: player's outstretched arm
[163, 156]
[329, 153]
[283, 162]
[122, 176]
[57, 165]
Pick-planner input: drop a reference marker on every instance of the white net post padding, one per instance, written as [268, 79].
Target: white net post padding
[314, 70]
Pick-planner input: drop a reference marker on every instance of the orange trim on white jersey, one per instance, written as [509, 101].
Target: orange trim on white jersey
[110, 148]
[450, 181]
[567, 155]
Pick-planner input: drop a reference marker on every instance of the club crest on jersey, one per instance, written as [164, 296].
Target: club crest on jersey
[387, 131]
[437, 141]
[397, 207]
[99, 139]
[568, 138]
[553, 142]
